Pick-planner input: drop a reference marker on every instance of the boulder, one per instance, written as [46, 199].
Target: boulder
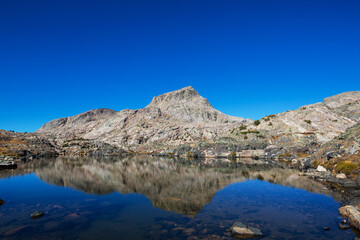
[241, 231]
[321, 169]
[341, 176]
[352, 214]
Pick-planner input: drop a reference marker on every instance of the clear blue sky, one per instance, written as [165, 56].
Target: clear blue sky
[250, 58]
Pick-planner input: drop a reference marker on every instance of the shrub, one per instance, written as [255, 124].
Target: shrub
[257, 122]
[346, 167]
[307, 121]
[242, 127]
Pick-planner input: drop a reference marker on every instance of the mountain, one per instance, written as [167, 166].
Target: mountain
[184, 123]
[171, 118]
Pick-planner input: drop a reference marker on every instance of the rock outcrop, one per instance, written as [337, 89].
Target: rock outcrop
[342, 154]
[352, 214]
[15, 146]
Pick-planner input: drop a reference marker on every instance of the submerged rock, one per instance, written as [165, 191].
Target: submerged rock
[352, 214]
[2, 202]
[241, 231]
[343, 226]
[36, 215]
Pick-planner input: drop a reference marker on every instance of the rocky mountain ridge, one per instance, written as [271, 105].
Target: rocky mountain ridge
[183, 123]
[183, 116]
[172, 118]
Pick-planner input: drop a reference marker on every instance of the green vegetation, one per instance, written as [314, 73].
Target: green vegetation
[232, 155]
[268, 118]
[257, 122]
[242, 127]
[307, 121]
[259, 177]
[251, 131]
[346, 167]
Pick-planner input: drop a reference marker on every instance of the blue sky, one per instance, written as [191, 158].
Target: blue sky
[250, 58]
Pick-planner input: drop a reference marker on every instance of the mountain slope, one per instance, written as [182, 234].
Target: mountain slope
[172, 118]
[183, 117]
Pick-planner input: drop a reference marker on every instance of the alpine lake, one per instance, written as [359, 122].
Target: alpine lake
[144, 197]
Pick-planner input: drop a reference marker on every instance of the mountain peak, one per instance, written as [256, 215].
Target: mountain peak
[183, 95]
[187, 105]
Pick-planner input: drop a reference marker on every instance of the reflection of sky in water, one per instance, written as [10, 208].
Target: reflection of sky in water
[280, 212]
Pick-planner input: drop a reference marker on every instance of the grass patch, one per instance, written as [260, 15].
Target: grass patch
[346, 167]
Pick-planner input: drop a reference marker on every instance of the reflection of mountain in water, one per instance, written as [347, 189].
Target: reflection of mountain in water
[177, 185]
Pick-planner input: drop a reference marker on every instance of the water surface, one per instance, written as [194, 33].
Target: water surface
[157, 198]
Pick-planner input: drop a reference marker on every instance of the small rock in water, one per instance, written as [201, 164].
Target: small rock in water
[1, 202]
[321, 169]
[326, 228]
[343, 226]
[36, 215]
[239, 230]
[341, 176]
[344, 221]
[189, 231]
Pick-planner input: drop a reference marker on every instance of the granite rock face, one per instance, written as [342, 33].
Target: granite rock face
[182, 123]
[171, 119]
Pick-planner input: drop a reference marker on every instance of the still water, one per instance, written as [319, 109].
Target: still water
[158, 198]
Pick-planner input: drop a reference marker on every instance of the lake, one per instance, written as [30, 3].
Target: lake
[143, 197]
